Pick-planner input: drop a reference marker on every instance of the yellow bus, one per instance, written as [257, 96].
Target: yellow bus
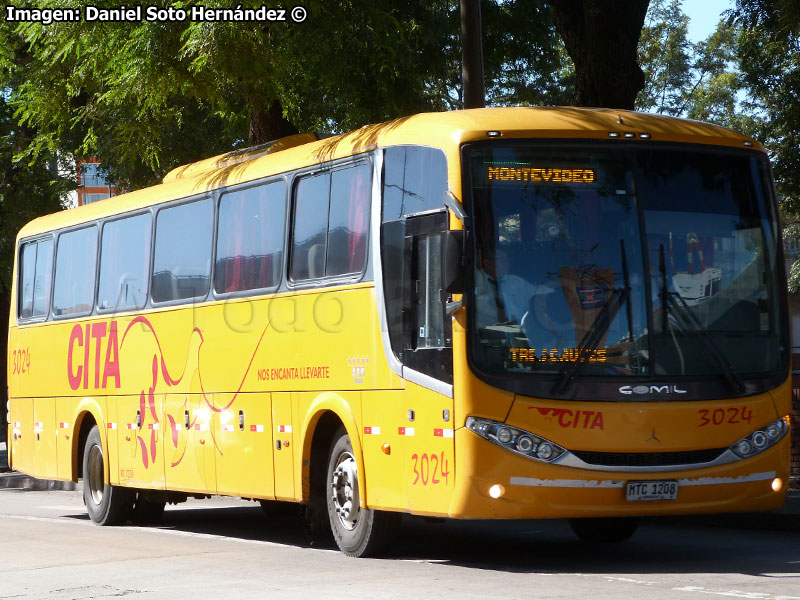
[496, 313]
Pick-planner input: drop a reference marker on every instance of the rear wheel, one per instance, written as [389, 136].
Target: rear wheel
[106, 504]
[358, 531]
[605, 531]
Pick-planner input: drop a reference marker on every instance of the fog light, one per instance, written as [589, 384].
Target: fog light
[777, 484]
[504, 435]
[759, 439]
[497, 490]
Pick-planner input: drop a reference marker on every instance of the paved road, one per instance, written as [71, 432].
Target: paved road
[222, 548]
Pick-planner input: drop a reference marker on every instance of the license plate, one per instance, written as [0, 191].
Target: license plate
[665, 489]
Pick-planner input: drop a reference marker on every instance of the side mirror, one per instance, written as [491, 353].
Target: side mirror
[453, 276]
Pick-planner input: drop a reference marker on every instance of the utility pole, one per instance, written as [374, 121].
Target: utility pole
[472, 54]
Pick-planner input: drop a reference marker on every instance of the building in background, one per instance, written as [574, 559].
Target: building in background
[92, 184]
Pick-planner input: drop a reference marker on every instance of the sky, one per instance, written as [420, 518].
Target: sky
[704, 15]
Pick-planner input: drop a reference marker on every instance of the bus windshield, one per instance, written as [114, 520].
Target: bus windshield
[625, 261]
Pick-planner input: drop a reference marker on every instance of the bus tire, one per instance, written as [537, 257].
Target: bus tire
[147, 511]
[605, 531]
[106, 504]
[357, 531]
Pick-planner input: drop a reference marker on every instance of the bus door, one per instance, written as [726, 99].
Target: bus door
[190, 443]
[244, 436]
[427, 366]
[140, 438]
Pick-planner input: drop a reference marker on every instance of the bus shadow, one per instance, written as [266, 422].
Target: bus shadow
[677, 545]
[668, 546]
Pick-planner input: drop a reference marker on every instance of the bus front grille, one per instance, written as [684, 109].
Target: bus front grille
[648, 459]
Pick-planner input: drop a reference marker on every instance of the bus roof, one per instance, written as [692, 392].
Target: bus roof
[447, 130]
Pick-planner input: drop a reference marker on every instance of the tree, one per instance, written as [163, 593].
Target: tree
[665, 54]
[601, 37]
[146, 97]
[525, 58]
[769, 59]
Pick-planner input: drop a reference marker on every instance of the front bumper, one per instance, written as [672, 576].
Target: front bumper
[532, 489]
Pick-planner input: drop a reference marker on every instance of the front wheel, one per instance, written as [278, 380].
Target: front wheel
[605, 531]
[358, 531]
[106, 504]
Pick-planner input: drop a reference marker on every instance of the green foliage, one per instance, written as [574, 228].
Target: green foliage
[525, 59]
[665, 57]
[120, 91]
[27, 191]
[769, 59]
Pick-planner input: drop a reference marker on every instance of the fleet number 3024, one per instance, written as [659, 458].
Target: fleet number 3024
[430, 468]
[20, 361]
[718, 416]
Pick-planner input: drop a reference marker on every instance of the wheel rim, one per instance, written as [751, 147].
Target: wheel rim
[95, 475]
[344, 490]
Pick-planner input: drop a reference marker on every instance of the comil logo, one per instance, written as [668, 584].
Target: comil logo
[651, 389]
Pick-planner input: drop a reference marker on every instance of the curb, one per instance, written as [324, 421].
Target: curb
[19, 481]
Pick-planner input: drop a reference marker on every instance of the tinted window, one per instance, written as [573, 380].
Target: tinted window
[349, 220]
[44, 278]
[250, 238]
[76, 260]
[310, 227]
[35, 278]
[182, 260]
[124, 260]
[415, 180]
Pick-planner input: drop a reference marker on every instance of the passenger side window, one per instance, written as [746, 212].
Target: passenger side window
[124, 262]
[36, 269]
[331, 223]
[310, 227]
[76, 260]
[182, 256]
[250, 238]
[349, 220]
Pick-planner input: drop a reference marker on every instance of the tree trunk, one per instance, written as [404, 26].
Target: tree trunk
[601, 37]
[472, 54]
[269, 125]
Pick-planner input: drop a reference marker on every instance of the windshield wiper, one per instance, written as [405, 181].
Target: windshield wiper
[591, 340]
[687, 320]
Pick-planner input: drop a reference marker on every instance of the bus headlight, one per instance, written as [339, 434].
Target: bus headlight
[761, 439]
[517, 440]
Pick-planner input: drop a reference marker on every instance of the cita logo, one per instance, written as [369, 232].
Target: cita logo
[576, 419]
[84, 355]
[651, 389]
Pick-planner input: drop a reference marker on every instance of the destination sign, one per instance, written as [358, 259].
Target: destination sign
[540, 174]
